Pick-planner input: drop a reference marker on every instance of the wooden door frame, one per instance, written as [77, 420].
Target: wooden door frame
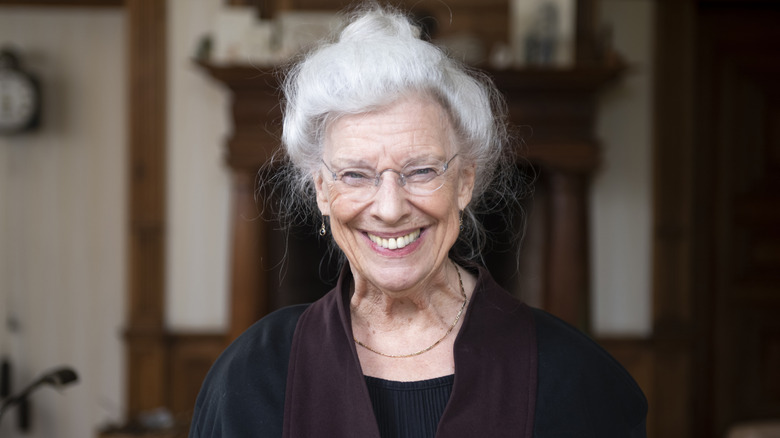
[674, 324]
[685, 326]
[147, 353]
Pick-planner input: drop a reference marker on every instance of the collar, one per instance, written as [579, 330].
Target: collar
[494, 392]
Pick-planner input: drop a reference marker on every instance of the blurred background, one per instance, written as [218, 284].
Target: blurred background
[132, 248]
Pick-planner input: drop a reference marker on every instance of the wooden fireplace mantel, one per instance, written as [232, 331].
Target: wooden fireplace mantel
[558, 105]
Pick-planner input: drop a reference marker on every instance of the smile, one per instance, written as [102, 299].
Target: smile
[395, 243]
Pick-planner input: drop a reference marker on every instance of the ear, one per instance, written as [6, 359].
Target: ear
[466, 187]
[323, 199]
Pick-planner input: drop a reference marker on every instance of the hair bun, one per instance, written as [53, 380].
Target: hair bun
[378, 22]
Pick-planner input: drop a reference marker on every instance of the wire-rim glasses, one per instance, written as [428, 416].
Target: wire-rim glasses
[416, 178]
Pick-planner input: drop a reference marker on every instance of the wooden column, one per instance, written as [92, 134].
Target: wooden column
[257, 120]
[146, 349]
[247, 274]
[568, 263]
[559, 107]
[674, 323]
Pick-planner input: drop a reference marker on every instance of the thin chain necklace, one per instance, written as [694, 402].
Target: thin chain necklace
[417, 353]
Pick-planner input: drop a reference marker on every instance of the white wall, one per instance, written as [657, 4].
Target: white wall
[63, 219]
[198, 178]
[621, 212]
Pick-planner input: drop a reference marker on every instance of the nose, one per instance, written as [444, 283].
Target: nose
[390, 203]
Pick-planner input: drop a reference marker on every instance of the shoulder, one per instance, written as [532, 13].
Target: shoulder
[569, 346]
[245, 387]
[262, 343]
[579, 382]
[270, 331]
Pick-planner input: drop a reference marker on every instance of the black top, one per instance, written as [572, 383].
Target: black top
[579, 389]
[409, 409]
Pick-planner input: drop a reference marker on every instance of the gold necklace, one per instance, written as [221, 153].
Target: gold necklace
[454, 323]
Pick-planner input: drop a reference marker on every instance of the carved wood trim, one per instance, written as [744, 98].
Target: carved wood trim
[559, 106]
[191, 357]
[567, 261]
[147, 357]
[256, 116]
[248, 273]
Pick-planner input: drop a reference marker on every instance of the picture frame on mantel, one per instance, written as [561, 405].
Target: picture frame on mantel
[542, 33]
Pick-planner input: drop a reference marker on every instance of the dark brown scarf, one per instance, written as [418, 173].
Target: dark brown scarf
[494, 393]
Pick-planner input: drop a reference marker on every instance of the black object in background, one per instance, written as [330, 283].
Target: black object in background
[5, 378]
[57, 378]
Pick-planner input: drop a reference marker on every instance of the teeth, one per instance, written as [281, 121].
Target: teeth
[395, 243]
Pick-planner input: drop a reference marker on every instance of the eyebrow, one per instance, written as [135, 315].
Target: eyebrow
[358, 163]
[365, 164]
[425, 159]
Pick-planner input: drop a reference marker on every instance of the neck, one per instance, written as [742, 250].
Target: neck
[430, 304]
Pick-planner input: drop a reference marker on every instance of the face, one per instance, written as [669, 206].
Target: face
[407, 131]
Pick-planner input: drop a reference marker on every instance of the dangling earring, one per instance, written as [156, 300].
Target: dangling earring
[461, 220]
[323, 231]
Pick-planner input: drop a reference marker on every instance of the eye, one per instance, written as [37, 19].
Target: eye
[421, 174]
[356, 177]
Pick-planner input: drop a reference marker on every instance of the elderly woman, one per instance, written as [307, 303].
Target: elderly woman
[396, 145]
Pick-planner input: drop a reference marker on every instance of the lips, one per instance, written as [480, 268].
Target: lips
[397, 242]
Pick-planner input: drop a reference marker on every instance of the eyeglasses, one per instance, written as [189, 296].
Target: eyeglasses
[417, 178]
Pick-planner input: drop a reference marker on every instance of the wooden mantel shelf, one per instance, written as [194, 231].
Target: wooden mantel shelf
[581, 78]
[591, 76]
[555, 112]
[556, 105]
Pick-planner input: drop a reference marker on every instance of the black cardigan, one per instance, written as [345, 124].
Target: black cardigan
[518, 372]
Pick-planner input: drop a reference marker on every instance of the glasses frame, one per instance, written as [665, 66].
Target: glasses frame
[401, 177]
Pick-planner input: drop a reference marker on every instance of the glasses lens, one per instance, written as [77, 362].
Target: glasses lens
[424, 179]
[416, 178]
[357, 178]
[356, 184]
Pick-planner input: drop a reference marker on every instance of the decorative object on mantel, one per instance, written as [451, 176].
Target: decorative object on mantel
[542, 32]
[300, 29]
[230, 33]
[242, 38]
[20, 95]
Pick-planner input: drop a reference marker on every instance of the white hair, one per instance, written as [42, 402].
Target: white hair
[375, 60]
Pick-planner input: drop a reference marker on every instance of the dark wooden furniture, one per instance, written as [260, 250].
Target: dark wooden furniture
[717, 216]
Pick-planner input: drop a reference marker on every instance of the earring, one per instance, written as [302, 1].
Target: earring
[323, 231]
[461, 220]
